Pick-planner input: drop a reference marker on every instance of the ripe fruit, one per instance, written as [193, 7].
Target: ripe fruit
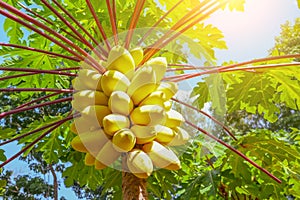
[89, 159]
[159, 66]
[169, 88]
[119, 102]
[164, 134]
[115, 122]
[114, 81]
[148, 115]
[137, 55]
[161, 156]
[144, 134]
[86, 98]
[87, 79]
[154, 98]
[120, 59]
[124, 140]
[181, 137]
[139, 163]
[106, 156]
[173, 119]
[95, 114]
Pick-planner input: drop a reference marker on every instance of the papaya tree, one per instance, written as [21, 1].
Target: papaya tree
[118, 89]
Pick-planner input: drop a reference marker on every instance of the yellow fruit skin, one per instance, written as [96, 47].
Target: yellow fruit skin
[167, 105]
[84, 124]
[164, 134]
[139, 163]
[144, 134]
[142, 84]
[148, 115]
[95, 114]
[93, 141]
[106, 156]
[119, 102]
[159, 66]
[124, 140]
[78, 145]
[169, 88]
[173, 119]
[154, 98]
[120, 59]
[89, 160]
[161, 156]
[88, 79]
[181, 137]
[86, 98]
[73, 128]
[113, 80]
[137, 55]
[115, 122]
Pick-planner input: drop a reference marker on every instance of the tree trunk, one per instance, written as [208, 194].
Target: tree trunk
[133, 188]
[55, 183]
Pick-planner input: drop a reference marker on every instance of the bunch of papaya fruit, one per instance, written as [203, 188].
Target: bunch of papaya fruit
[127, 111]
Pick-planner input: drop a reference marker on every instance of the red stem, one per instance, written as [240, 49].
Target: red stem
[40, 51]
[158, 22]
[235, 151]
[26, 18]
[14, 111]
[226, 68]
[90, 6]
[46, 20]
[112, 22]
[30, 133]
[209, 116]
[81, 27]
[37, 100]
[135, 17]
[40, 71]
[36, 90]
[35, 141]
[158, 46]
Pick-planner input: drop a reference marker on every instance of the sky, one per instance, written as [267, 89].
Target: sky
[249, 34]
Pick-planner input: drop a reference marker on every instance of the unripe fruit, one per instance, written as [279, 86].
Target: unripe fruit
[124, 140]
[113, 80]
[119, 102]
[115, 122]
[148, 115]
[173, 119]
[164, 134]
[120, 59]
[161, 156]
[95, 114]
[144, 134]
[86, 98]
[139, 163]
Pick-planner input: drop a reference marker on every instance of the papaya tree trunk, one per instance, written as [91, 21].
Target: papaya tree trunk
[133, 188]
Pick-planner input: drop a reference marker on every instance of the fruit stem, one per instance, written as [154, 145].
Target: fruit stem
[17, 110]
[40, 51]
[235, 151]
[35, 141]
[36, 90]
[39, 99]
[209, 116]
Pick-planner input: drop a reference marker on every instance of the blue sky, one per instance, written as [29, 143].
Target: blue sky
[248, 34]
